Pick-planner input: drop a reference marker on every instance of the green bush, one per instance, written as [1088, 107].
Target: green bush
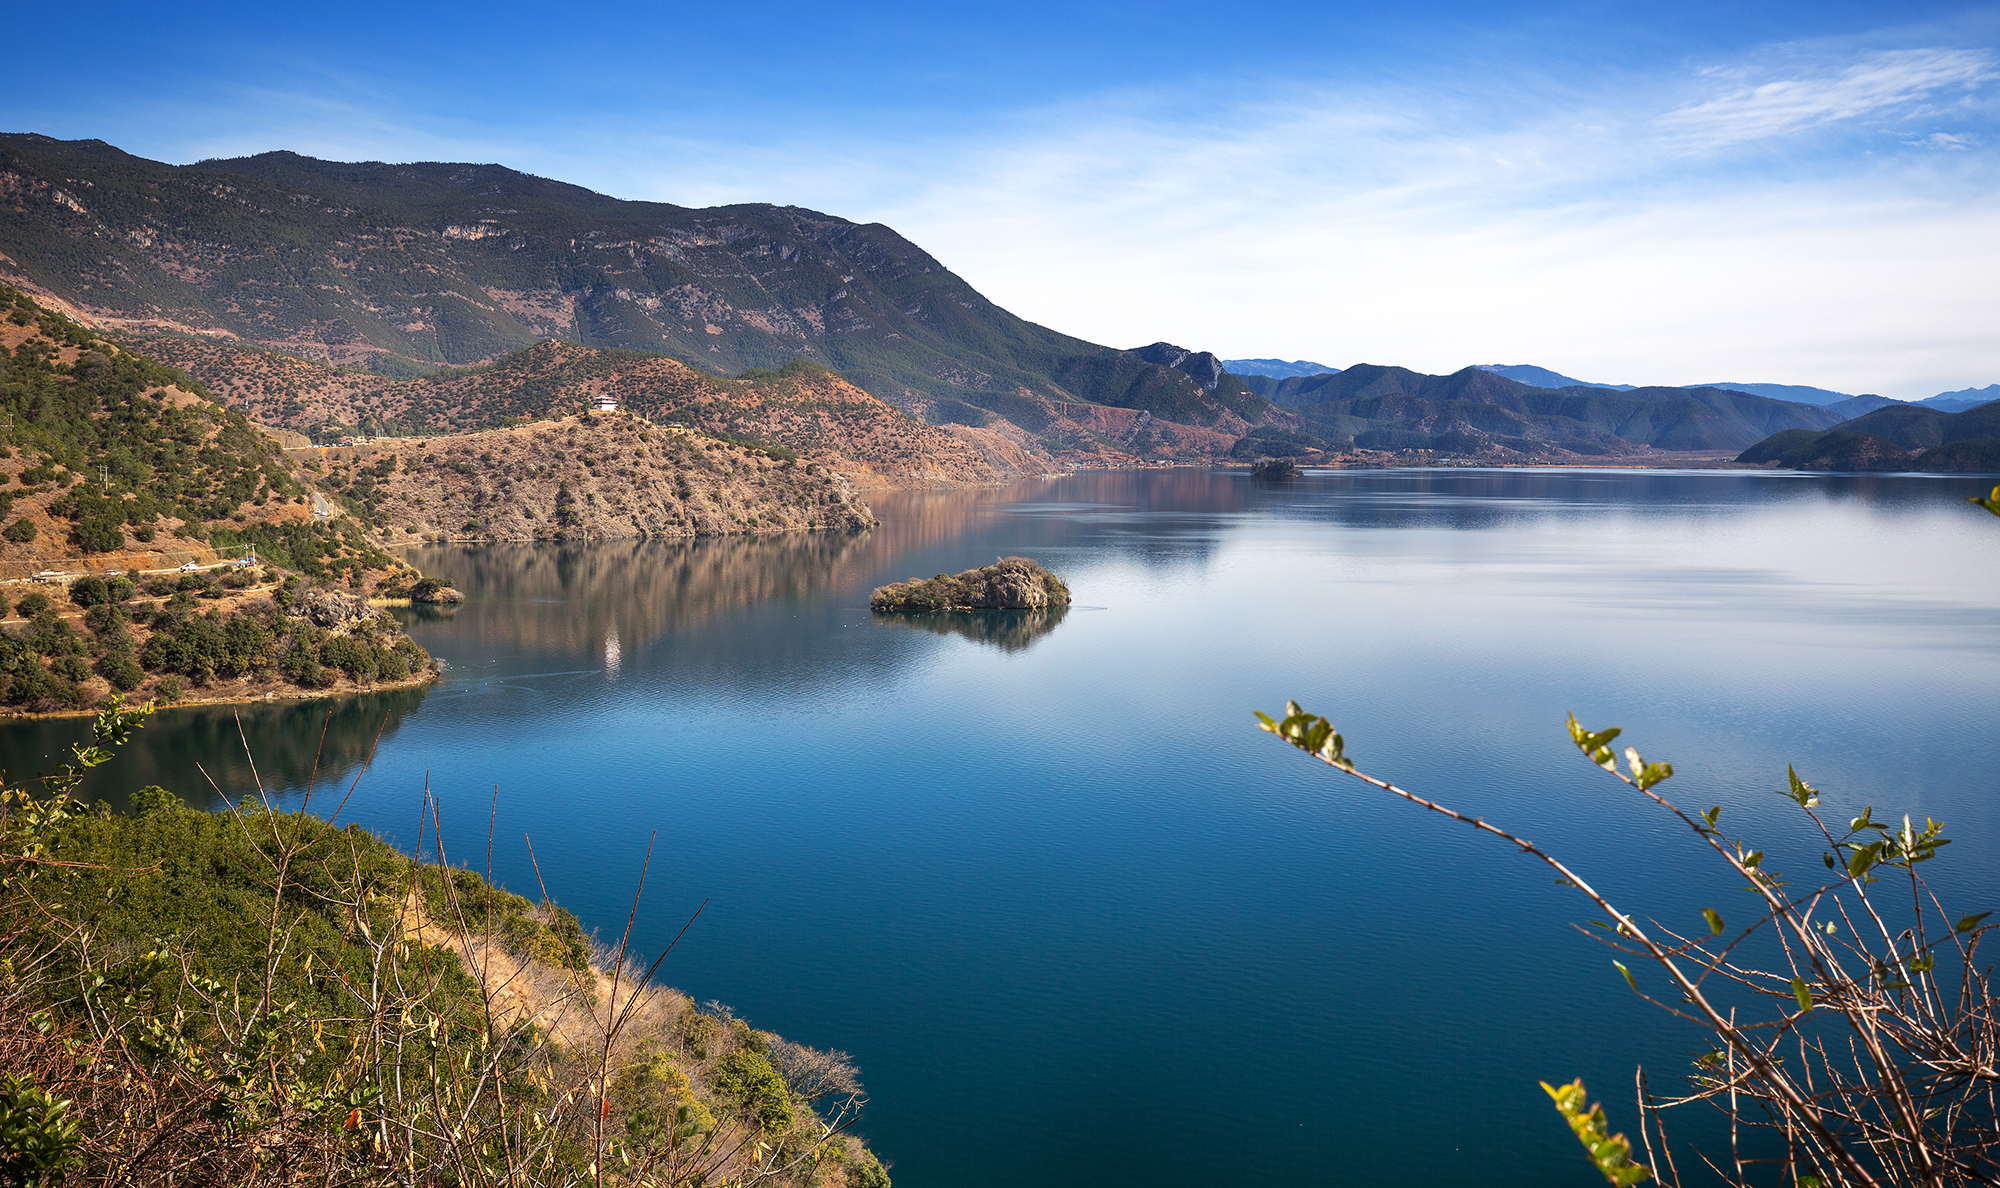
[38, 1138]
[32, 605]
[20, 531]
[390, 665]
[101, 534]
[106, 617]
[121, 669]
[301, 665]
[170, 690]
[348, 656]
[153, 799]
[89, 591]
[747, 1078]
[51, 636]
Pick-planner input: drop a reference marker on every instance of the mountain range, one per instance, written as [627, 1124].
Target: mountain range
[334, 298]
[1841, 402]
[400, 269]
[1394, 408]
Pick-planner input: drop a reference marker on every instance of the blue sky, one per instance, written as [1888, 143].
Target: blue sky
[1800, 193]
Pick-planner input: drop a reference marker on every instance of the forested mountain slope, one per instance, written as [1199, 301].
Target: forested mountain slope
[1903, 437]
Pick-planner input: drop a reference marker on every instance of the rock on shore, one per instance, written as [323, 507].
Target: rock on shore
[1011, 583]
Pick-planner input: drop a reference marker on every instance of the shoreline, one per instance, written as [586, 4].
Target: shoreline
[410, 682]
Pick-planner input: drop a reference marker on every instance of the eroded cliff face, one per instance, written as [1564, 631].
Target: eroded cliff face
[589, 477]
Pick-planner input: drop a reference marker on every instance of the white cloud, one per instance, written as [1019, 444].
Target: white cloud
[1950, 141]
[1878, 83]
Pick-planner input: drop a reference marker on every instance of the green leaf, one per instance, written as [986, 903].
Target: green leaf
[1309, 733]
[1595, 744]
[1628, 976]
[1646, 774]
[1862, 858]
[1968, 923]
[1611, 1154]
[1714, 921]
[1800, 992]
[1804, 793]
[1990, 503]
[1924, 964]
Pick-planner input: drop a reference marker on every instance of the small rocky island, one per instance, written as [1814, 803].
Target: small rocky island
[1011, 583]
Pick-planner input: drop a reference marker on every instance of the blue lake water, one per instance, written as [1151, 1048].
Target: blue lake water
[1077, 921]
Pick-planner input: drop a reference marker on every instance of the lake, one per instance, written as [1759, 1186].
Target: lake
[1078, 922]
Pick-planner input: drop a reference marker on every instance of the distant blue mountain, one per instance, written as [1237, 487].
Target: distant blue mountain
[1797, 392]
[1855, 406]
[1542, 377]
[1849, 405]
[1276, 368]
[1963, 399]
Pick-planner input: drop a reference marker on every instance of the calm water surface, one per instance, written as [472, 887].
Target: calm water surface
[1076, 920]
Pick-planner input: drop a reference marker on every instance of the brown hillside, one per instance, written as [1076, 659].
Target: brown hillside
[806, 409]
[592, 476]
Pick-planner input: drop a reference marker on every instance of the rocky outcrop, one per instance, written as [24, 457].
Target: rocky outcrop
[331, 609]
[1011, 583]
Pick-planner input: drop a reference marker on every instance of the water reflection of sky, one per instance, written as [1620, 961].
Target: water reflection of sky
[1065, 907]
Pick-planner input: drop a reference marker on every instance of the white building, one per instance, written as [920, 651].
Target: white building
[605, 402]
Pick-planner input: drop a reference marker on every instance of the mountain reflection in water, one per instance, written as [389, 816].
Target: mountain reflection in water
[207, 753]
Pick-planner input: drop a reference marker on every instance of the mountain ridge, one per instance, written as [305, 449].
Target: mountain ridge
[404, 268]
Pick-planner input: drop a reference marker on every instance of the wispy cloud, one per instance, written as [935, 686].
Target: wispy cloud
[1947, 141]
[1881, 83]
